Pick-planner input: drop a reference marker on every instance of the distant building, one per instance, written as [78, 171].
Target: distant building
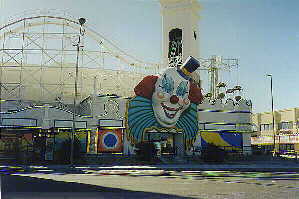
[286, 128]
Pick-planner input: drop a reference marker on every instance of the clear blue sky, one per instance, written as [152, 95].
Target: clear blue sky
[264, 35]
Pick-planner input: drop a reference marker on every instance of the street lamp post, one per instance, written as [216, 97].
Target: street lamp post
[273, 126]
[81, 22]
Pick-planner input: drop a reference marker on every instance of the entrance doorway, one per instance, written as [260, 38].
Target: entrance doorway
[167, 144]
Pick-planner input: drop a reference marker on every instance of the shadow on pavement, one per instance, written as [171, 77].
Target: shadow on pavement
[28, 187]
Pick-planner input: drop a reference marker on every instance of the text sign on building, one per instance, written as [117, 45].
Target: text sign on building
[294, 139]
[69, 124]
[289, 139]
[19, 122]
[268, 139]
[284, 139]
[110, 123]
[218, 127]
[262, 140]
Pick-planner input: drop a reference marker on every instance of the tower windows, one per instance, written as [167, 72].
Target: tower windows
[175, 47]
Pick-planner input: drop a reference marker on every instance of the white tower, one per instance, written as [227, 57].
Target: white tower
[180, 25]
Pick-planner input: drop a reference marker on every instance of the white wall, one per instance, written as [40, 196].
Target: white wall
[182, 14]
[228, 111]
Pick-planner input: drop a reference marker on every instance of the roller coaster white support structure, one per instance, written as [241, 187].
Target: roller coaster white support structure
[38, 61]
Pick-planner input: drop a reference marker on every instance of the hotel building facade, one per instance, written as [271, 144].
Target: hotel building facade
[286, 130]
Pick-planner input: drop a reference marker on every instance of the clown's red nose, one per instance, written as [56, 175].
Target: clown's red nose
[174, 99]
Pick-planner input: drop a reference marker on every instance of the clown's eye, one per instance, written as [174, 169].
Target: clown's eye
[186, 101]
[160, 95]
[182, 89]
[167, 84]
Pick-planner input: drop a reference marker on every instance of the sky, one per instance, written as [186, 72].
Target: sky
[263, 35]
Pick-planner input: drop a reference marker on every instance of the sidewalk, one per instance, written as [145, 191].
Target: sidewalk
[258, 166]
[246, 166]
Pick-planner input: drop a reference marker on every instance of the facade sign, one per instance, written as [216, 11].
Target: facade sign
[69, 124]
[109, 123]
[282, 139]
[259, 140]
[19, 122]
[268, 139]
[110, 140]
[292, 139]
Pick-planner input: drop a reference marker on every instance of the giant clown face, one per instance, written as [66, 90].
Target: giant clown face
[170, 97]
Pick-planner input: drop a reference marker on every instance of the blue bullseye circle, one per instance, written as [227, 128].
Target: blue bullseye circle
[110, 140]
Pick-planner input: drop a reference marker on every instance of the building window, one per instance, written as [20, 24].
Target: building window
[175, 43]
[286, 147]
[285, 125]
[268, 147]
[266, 127]
[254, 128]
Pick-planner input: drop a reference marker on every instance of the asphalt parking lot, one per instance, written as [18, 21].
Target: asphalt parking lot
[92, 182]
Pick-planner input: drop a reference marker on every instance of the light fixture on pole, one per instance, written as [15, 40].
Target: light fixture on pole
[81, 22]
[273, 126]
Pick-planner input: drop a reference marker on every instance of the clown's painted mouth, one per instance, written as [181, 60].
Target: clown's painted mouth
[170, 112]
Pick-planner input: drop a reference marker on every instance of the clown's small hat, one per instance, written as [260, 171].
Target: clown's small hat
[189, 66]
